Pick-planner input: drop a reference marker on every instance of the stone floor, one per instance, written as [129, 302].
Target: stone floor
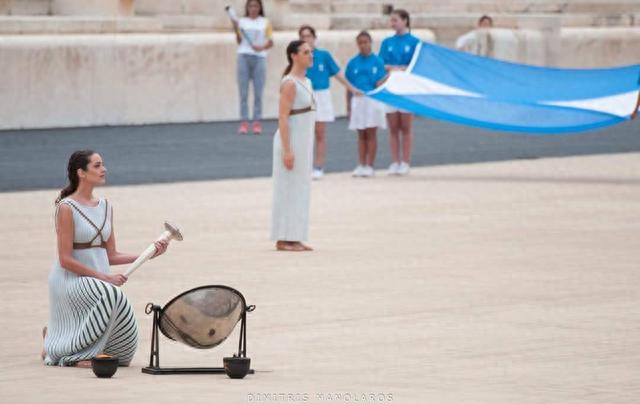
[507, 282]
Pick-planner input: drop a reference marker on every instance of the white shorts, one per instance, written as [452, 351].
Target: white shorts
[324, 106]
[366, 113]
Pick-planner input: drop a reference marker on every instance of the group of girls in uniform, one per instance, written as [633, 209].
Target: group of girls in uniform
[364, 72]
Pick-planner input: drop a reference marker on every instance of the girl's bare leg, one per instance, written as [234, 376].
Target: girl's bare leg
[406, 126]
[372, 146]
[393, 119]
[362, 147]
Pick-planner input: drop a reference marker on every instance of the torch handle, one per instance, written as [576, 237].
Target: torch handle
[146, 254]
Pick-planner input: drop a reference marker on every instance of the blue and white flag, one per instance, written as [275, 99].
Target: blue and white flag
[445, 84]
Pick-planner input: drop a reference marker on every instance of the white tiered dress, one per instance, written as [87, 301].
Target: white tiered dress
[88, 316]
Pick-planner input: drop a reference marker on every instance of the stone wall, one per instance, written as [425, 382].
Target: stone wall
[88, 80]
[91, 80]
[174, 67]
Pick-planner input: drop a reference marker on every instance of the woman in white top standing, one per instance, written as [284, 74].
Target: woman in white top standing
[293, 152]
[253, 34]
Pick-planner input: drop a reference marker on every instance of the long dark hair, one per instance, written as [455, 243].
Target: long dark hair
[79, 159]
[404, 15]
[292, 49]
[246, 7]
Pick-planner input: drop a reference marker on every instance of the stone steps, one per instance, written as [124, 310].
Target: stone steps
[430, 20]
[25, 7]
[449, 17]
[38, 25]
[469, 6]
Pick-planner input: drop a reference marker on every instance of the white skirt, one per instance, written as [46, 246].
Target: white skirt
[366, 113]
[324, 106]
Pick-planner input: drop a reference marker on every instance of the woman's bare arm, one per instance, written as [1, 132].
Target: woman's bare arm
[340, 77]
[287, 95]
[382, 80]
[634, 114]
[236, 29]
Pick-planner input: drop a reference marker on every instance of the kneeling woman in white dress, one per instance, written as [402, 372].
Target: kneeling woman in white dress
[88, 312]
[293, 152]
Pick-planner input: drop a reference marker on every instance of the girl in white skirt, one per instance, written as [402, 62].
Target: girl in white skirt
[397, 52]
[365, 71]
[324, 67]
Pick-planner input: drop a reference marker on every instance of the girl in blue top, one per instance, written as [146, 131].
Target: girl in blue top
[320, 73]
[365, 72]
[397, 52]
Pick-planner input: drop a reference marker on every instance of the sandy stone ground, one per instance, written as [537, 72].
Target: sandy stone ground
[511, 282]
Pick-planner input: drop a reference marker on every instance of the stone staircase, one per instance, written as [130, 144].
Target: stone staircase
[447, 19]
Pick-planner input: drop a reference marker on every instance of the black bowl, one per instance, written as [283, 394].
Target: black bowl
[104, 367]
[236, 367]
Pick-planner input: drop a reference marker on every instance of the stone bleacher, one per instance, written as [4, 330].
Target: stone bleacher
[447, 19]
[152, 75]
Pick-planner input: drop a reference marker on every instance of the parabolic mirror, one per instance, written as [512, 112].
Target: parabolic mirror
[203, 317]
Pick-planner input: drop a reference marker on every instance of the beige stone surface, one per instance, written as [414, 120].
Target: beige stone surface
[84, 80]
[512, 282]
[122, 79]
[550, 45]
[40, 25]
[93, 7]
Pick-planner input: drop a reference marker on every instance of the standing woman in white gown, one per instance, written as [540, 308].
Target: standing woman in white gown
[293, 152]
[88, 312]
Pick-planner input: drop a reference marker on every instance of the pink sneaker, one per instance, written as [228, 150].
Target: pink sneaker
[257, 128]
[243, 129]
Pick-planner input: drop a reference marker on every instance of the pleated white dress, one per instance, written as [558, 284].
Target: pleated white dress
[292, 188]
[88, 316]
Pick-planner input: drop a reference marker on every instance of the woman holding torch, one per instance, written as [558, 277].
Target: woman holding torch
[88, 312]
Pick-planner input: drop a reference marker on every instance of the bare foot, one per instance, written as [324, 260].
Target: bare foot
[289, 246]
[82, 364]
[306, 247]
[44, 335]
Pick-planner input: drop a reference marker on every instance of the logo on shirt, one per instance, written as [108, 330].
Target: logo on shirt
[355, 71]
[321, 67]
[374, 69]
[407, 49]
[390, 48]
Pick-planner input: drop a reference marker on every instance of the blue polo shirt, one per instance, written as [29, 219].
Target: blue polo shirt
[323, 68]
[363, 72]
[398, 50]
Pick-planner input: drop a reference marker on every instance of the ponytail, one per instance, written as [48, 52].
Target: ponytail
[79, 159]
[292, 49]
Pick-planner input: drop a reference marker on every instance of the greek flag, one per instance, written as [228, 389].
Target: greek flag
[445, 84]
